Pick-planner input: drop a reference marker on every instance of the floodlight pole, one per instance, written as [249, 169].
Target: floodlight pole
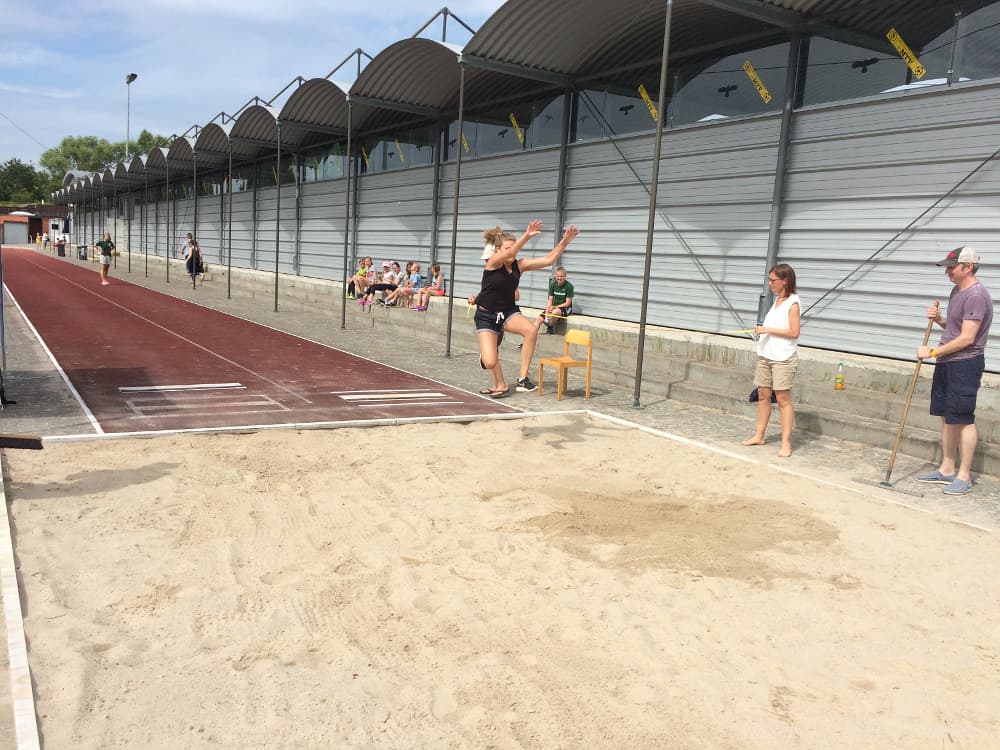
[128, 107]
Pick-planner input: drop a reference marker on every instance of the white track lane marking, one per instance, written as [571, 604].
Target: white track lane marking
[393, 396]
[25, 722]
[62, 374]
[174, 333]
[193, 387]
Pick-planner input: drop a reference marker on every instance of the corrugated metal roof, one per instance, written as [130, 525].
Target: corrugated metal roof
[256, 129]
[155, 162]
[212, 145]
[583, 38]
[319, 103]
[412, 73]
[529, 46]
[181, 154]
[73, 175]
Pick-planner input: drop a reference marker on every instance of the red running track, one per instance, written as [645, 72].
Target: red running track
[145, 361]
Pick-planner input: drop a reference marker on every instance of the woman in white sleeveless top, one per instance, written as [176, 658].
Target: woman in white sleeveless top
[777, 339]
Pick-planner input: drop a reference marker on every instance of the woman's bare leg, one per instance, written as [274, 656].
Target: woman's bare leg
[787, 414]
[763, 416]
[489, 356]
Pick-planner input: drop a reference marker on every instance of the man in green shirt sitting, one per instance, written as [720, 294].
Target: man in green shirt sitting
[560, 302]
[106, 246]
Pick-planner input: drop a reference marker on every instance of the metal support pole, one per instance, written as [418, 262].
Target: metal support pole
[955, 38]
[780, 167]
[145, 223]
[170, 238]
[563, 161]
[654, 185]
[194, 181]
[347, 215]
[253, 234]
[442, 134]
[131, 209]
[277, 216]
[454, 206]
[229, 238]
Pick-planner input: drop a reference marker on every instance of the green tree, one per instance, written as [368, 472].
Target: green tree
[88, 153]
[147, 142]
[21, 183]
[91, 154]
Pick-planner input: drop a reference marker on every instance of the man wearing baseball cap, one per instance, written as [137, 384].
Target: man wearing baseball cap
[958, 368]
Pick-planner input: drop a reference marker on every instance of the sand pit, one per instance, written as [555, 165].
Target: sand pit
[554, 582]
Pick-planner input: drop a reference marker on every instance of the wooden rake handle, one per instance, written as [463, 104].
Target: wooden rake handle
[909, 398]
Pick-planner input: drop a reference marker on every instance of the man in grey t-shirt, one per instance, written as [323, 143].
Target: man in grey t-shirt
[959, 363]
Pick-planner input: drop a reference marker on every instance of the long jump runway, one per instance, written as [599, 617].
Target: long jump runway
[142, 361]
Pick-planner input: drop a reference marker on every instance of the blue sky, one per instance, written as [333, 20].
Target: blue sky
[64, 73]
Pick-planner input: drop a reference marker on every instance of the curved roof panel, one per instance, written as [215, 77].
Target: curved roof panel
[319, 106]
[584, 38]
[74, 175]
[256, 130]
[181, 153]
[413, 74]
[156, 162]
[213, 143]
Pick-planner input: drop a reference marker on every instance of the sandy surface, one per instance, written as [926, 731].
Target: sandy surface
[554, 582]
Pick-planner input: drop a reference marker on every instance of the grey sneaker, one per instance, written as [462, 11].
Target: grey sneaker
[935, 477]
[524, 385]
[958, 487]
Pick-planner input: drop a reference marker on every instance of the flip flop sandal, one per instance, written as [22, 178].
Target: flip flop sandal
[500, 394]
[485, 391]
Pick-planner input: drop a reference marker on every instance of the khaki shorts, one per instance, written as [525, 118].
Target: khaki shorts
[778, 376]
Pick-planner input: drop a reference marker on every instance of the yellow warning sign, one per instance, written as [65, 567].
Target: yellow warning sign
[364, 155]
[758, 84]
[649, 102]
[517, 128]
[919, 71]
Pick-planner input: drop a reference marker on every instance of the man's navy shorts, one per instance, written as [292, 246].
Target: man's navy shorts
[954, 389]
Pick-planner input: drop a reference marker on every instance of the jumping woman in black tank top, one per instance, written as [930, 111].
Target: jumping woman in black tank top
[496, 308]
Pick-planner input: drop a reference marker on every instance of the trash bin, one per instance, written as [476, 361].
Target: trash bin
[81, 252]
[61, 249]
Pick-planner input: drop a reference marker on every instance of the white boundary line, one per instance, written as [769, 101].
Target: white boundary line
[387, 422]
[194, 387]
[34, 331]
[782, 469]
[25, 723]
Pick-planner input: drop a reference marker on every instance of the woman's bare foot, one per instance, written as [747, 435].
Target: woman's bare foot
[785, 452]
[755, 440]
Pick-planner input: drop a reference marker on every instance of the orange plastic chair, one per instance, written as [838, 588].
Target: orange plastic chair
[566, 362]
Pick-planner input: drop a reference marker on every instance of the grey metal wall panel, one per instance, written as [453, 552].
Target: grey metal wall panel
[506, 191]
[211, 228]
[860, 173]
[321, 238]
[182, 220]
[267, 242]
[242, 229]
[395, 215]
[710, 231]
